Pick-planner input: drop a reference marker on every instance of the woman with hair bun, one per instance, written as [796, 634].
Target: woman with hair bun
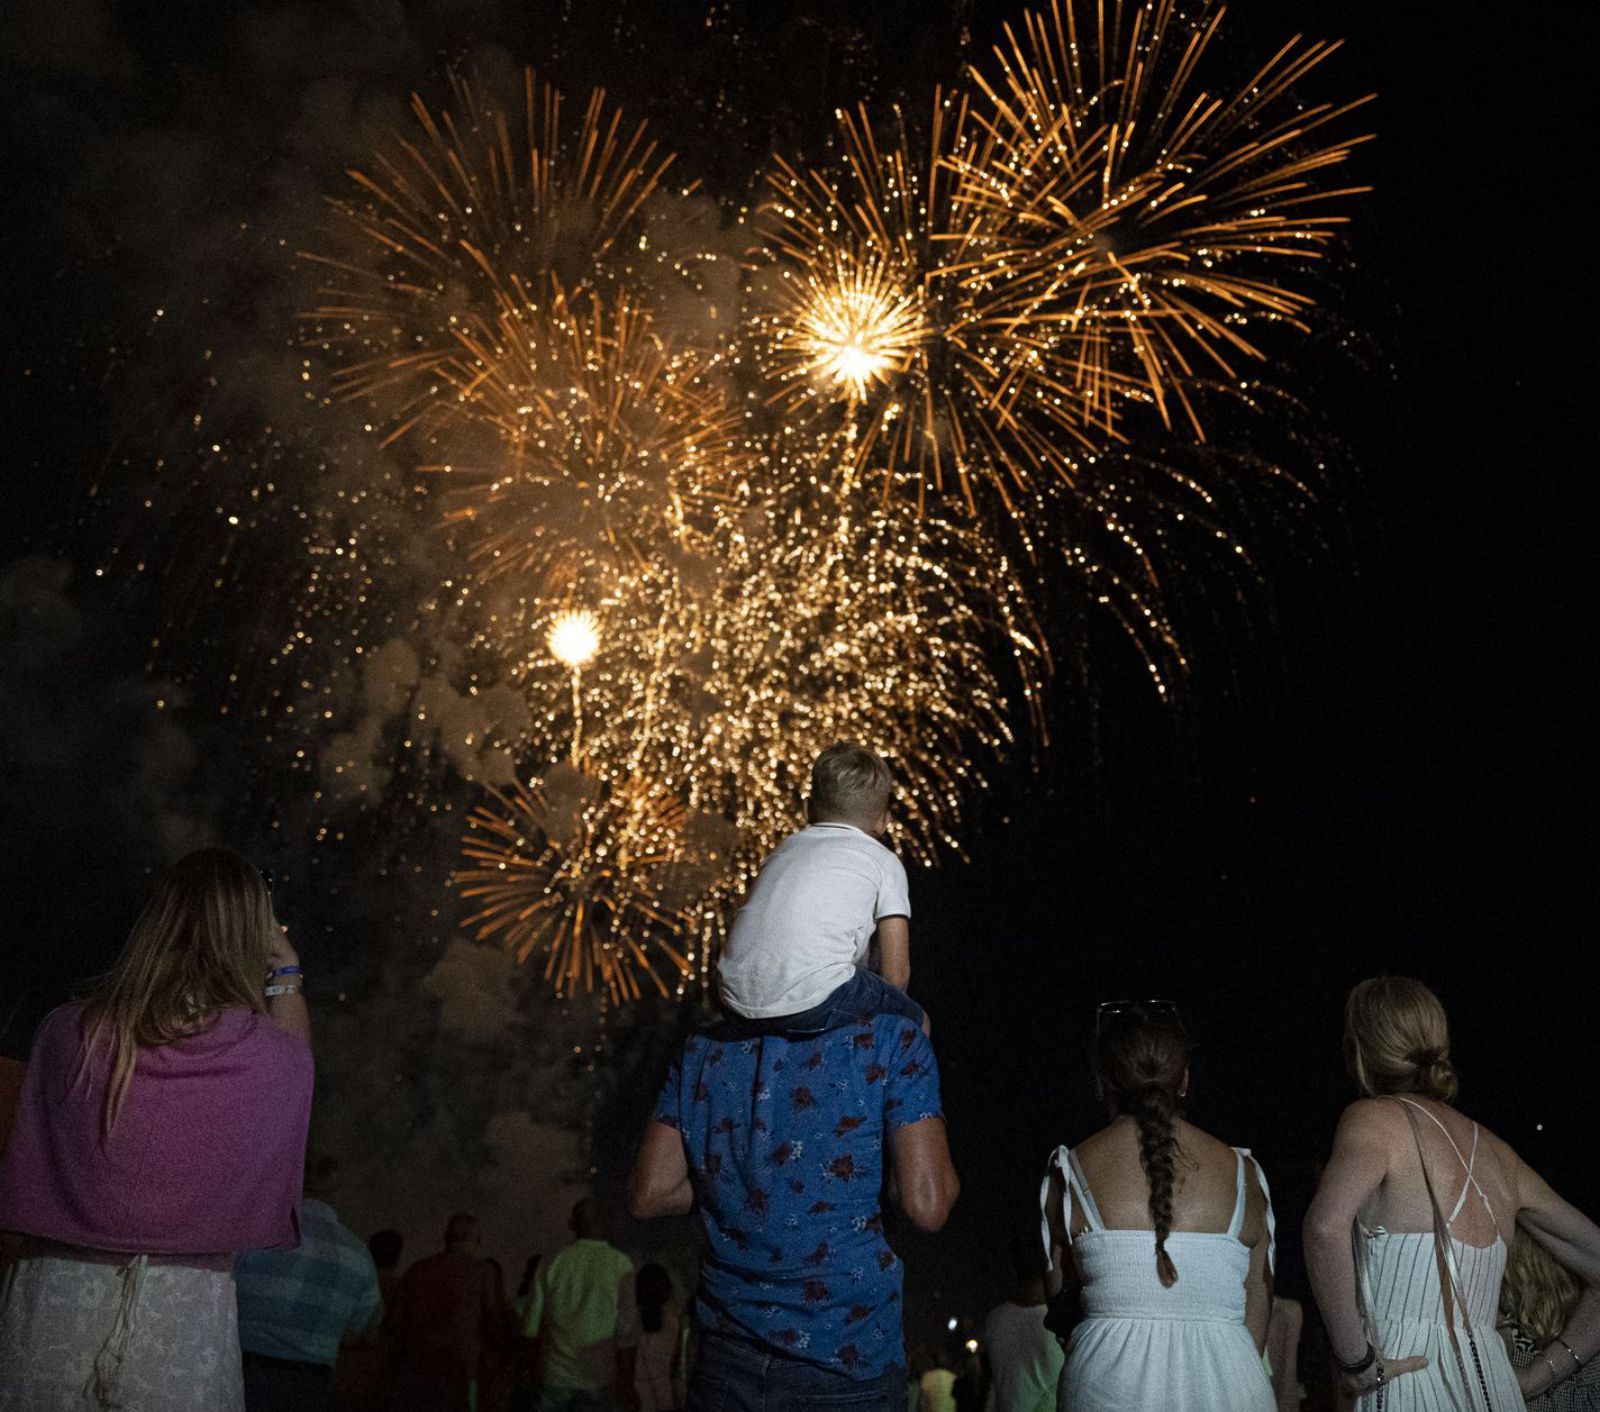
[1170, 1237]
[1406, 1240]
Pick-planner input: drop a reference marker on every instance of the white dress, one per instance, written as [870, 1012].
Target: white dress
[1140, 1346]
[1403, 1295]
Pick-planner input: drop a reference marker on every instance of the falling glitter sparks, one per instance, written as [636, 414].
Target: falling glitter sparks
[622, 571]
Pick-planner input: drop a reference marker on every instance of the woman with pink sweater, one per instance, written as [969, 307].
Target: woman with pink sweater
[161, 1128]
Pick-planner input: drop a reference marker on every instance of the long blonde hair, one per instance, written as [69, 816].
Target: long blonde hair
[1538, 1295]
[1397, 1039]
[200, 944]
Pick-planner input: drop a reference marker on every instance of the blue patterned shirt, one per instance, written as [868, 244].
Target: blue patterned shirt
[785, 1138]
[299, 1304]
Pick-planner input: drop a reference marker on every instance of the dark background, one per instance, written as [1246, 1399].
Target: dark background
[1388, 770]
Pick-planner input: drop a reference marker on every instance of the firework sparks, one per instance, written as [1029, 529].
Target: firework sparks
[965, 319]
[612, 443]
[579, 872]
[880, 284]
[440, 234]
[853, 327]
[1156, 220]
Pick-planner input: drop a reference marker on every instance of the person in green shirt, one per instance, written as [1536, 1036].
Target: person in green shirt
[583, 1314]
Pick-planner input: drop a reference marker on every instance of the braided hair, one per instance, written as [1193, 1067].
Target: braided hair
[1139, 1062]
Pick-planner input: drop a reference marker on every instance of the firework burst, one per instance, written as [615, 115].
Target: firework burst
[461, 218]
[1155, 219]
[579, 872]
[613, 445]
[882, 311]
[670, 573]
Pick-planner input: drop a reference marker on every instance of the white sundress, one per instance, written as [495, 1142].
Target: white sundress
[1403, 1296]
[1141, 1346]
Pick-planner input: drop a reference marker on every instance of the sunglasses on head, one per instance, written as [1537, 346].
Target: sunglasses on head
[1140, 1009]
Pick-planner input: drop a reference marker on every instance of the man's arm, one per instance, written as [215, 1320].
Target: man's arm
[659, 1183]
[923, 1175]
[894, 951]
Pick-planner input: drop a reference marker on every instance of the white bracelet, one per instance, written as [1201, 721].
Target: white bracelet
[282, 990]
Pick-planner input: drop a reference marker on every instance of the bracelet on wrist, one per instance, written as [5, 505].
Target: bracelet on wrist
[293, 970]
[273, 990]
[1360, 1365]
[1577, 1361]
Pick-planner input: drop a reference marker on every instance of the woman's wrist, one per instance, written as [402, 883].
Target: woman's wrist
[1358, 1365]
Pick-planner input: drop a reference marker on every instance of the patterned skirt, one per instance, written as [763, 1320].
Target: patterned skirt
[82, 1335]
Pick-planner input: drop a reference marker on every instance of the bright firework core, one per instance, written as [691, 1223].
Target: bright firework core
[858, 330]
[574, 637]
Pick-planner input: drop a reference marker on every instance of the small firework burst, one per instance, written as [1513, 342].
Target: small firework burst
[852, 327]
[576, 870]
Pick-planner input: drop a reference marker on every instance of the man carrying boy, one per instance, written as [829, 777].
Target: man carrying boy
[825, 898]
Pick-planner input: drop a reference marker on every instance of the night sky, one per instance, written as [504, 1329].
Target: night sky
[1382, 763]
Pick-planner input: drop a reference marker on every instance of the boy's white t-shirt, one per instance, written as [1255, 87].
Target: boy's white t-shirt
[809, 920]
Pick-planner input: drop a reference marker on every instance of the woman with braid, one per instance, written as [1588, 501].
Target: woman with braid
[1167, 1233]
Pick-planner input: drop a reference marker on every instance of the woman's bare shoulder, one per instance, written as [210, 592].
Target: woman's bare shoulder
[1373, 1119]
[1201, 1147]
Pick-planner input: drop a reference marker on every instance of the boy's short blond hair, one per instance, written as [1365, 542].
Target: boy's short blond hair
[849, 782]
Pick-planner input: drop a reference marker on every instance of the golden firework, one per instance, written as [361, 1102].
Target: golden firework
[466, 215]
[961, 318]
[578, 871]
[611, 447]
[882, 309]
[852, 327]
[574, 637]
[1156, 220]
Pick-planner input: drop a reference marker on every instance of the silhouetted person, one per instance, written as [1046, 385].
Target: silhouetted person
[1024, 1357]
[447, 1310]
[659, 1369]
[582, 1311]
[364, 1377]
[297, 1307]
[385, 1248]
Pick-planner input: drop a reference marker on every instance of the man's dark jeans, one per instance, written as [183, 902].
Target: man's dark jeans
[731, 1376]
[282, 1385]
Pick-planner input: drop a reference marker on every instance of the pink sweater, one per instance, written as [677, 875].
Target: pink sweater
[206, 1155]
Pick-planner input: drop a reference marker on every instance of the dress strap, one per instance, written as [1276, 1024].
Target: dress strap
[1057, 1163]
[1237, 1223]
[1065, 1161]
[1468, 1164]
[1243, 1154]
[1078, 1185]
[1471, 1182]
